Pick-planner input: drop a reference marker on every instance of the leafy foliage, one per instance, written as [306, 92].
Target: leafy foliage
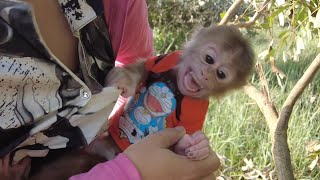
[289, 27]
[173, 20]
[300, 22]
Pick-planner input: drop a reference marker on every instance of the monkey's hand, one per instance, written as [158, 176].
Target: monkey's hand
[127, 78]
[195, 146]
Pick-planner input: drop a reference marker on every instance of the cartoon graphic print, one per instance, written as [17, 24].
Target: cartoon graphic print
[147, 112]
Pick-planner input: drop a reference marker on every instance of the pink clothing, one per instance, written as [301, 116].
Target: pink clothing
[120, 168]
[131, 38]
[130, 33]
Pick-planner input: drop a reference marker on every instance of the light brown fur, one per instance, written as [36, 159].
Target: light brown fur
[230, 39]
[240, 59]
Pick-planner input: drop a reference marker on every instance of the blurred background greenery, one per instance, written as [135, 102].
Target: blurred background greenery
[236, 128]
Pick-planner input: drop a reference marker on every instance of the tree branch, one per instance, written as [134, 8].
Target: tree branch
[296, 92]
[280, 148]
[266, 107]
[281, 156]
[256, 16]
[264, 82]
[231, 11]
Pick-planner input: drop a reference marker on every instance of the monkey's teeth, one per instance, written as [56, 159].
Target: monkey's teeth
[190, 83]
[196, 80]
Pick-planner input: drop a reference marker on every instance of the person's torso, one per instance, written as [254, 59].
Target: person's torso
[45, 106]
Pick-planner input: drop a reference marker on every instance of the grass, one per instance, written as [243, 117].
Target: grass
[237, 129]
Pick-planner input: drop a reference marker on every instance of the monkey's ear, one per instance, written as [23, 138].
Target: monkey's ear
[196, 31]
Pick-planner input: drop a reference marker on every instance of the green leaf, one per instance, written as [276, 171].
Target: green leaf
[281, 19]
[270, 21]
[284, 56]
[265, 25]
[272, 52]
[303, 14]
[279, 10]
[263, 54]
[314, 163]
[283, 33]
[300, 44]
[280, 82]
[222, 14]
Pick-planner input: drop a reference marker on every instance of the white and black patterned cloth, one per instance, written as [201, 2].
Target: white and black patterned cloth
[45, 109]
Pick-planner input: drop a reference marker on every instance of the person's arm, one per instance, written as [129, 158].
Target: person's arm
[130, 34]
[154, 160]
[120, 168]
[151, 158]
[129, 30]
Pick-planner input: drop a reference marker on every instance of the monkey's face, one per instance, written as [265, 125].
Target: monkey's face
[204, 69]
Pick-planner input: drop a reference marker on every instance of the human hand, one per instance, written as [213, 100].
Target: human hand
[156, 161]
[195, 146]
[14, 172]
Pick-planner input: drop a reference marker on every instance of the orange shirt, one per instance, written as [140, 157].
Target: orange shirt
[139, 119]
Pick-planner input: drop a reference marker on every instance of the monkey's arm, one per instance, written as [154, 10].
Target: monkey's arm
[127, 78]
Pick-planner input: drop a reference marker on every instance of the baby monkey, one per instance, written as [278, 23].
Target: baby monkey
[174, 89]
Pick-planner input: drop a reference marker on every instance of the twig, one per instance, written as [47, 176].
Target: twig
[263, 80]
[256, 16]
[231, 11]
[266, 107]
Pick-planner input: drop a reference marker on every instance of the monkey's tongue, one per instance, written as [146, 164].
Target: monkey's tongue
[190, 84]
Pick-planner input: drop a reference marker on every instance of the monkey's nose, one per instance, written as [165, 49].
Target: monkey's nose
[205, 77]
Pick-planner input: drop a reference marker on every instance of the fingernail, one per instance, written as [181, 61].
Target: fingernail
[190, 154]
[179, 128]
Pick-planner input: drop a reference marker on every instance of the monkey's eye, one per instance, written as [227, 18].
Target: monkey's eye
[209, 59]
[221, 74]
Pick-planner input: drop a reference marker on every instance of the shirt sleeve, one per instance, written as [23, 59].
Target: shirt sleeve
[129, 30]
[120, 168]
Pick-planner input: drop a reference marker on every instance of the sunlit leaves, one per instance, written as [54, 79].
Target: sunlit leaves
[222, 14]
[302, 14]
[301, 21]
[300, 44]
[201, 3]
[173, 20]
[266, 54]
[317, 21]
[313, 149]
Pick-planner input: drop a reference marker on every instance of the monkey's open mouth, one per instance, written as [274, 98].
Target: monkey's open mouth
[191, 83]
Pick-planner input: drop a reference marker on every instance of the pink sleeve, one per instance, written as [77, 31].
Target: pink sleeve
[120, 168]
[129, 29]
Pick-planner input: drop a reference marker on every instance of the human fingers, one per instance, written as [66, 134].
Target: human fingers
[166, 138]
[204, 167]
